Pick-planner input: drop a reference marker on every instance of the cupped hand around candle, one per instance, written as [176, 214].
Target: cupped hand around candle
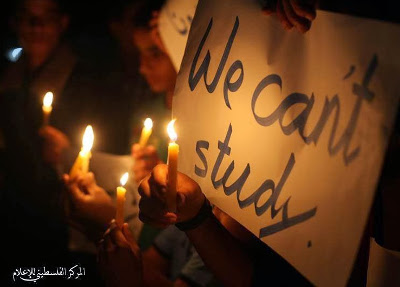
[153, 190]
[90, 208]
[54, 144]
[293, 13]
[119, 258]
[144, 160]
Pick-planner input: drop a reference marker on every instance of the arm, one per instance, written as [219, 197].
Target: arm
[221, 252]
[122, 263]
[156, 260]
[211, 238]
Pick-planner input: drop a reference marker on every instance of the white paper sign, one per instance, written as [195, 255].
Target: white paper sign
[174, 25]
[287, 132]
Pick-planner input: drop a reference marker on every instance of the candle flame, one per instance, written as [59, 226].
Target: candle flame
[124, 179]
[88, 138]
[171, 131]
[148, 123]
[48, 99]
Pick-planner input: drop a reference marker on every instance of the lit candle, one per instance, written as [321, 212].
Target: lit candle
[82, 161]
[47, 108]
[119, 217]
[173, 150]
[146, 132]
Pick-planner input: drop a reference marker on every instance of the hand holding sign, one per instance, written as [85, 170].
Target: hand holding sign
[297, 13]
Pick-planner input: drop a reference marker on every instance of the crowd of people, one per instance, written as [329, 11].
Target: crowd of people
[199, 244]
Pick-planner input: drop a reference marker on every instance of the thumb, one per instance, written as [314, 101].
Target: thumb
[180, 199]
[129, 237]
[127, 233]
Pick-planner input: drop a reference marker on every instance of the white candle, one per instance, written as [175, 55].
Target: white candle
[146, 132]
[81, 163]
[47, 107]
[173, 151]
[119, 217]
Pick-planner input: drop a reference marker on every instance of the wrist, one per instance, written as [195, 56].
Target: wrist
[203, 213]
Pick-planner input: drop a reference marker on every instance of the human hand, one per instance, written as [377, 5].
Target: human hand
[119, 257]
[293, 13]
[55, 142]
[90, 208]
[145, 159]
[153, 191]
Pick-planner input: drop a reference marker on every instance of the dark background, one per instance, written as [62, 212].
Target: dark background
[88, 31]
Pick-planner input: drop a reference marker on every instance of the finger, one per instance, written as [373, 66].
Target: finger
[180, 199]
[65, 178]
[108, 244]
[144, 188]
[137, 151]
[130, 238]
[302, 24]
[76, 194]
[135, 147]
[80, 182]
[158, 192]
[150, 150]
[156, 223]
[153, 208]
[280, 12]
[304, 10]
[127, 232]
[87, 182]
[160, 173]
[118, 238]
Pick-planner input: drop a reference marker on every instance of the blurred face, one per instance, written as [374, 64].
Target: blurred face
[40, 26]
[155, 65]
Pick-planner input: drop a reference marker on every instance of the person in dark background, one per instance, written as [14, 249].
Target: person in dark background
[31, 188]
[31, 191]
[157, 68]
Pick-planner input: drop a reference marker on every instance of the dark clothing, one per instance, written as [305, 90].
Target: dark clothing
[270, 269]
[184, 261]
